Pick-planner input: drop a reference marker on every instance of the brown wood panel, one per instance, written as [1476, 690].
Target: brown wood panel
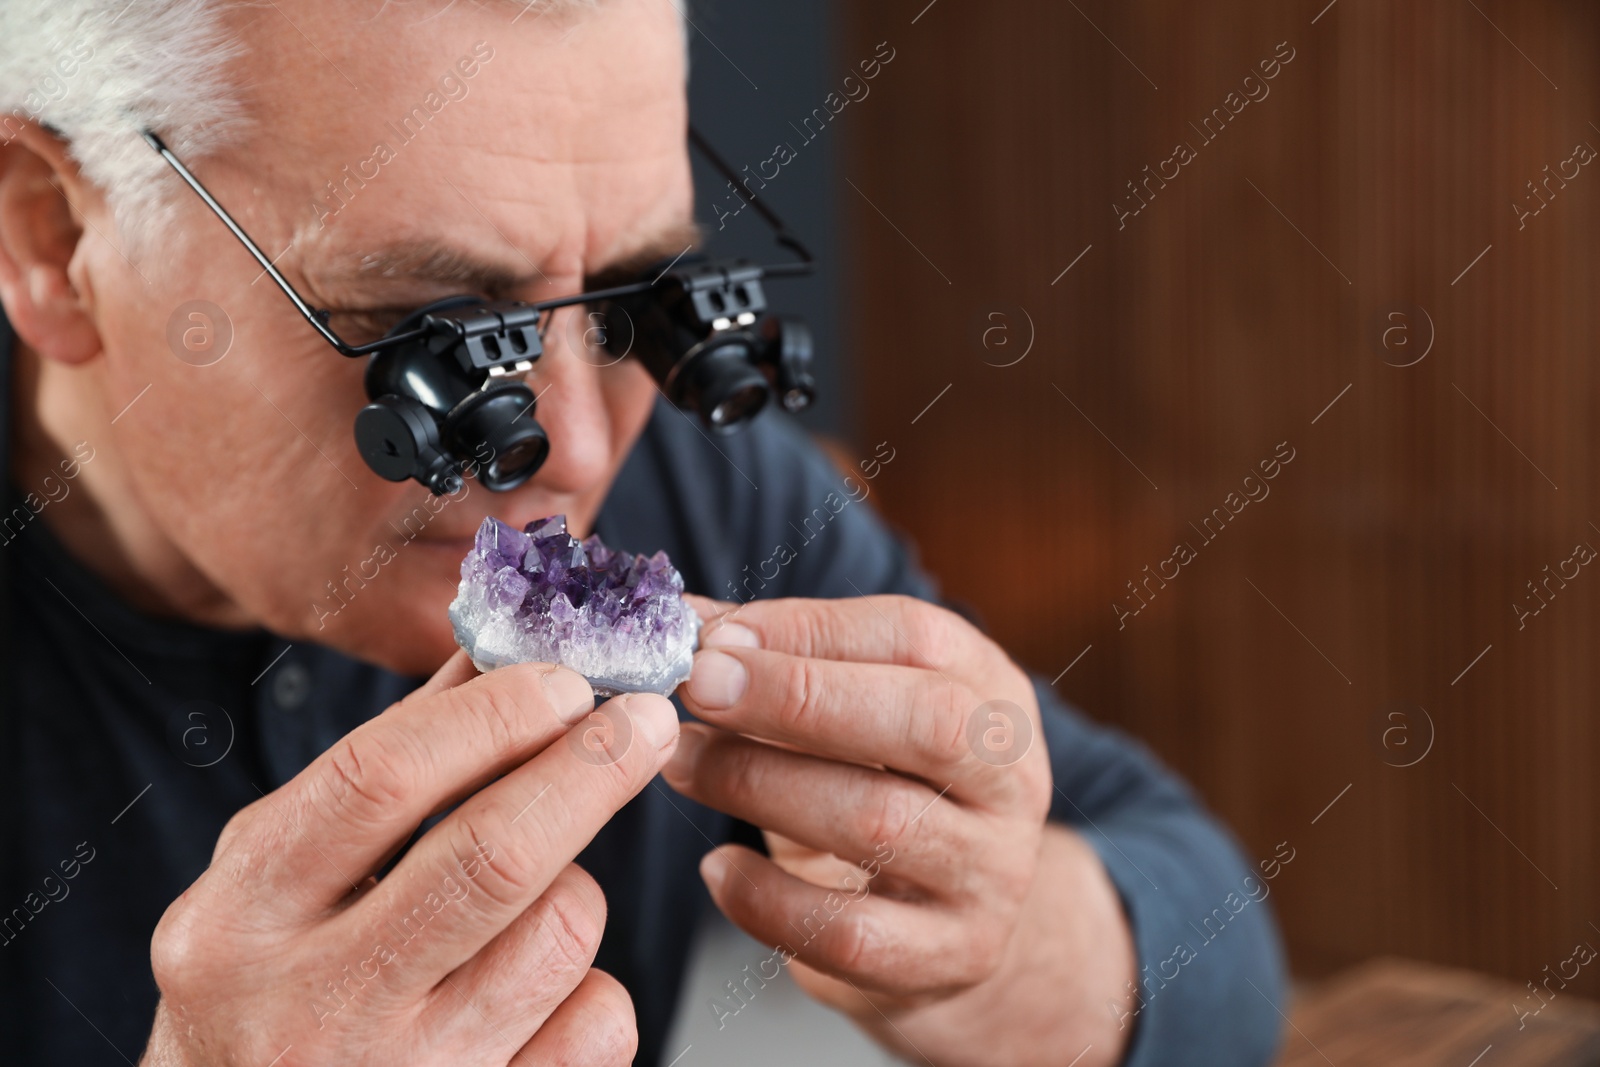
[1193, 338]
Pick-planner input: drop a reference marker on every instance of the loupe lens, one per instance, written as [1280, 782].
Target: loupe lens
[496, 431]
[723, 386]
[517, 462]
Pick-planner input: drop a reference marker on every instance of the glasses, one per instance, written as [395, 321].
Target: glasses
[444, 402]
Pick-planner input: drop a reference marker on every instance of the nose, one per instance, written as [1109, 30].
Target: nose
[575, 383]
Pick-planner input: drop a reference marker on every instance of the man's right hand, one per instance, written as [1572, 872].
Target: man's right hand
[476, 948]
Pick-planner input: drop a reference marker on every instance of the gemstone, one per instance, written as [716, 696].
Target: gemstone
[539, 595]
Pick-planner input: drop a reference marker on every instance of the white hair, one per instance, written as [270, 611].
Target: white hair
[100, 72]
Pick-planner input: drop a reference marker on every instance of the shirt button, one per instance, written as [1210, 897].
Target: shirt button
[290, 686]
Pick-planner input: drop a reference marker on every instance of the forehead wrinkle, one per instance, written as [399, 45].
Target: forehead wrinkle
[428, 261]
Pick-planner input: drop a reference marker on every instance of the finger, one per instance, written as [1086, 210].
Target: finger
[457, 670]
[501, 849]
[708, 609]
[511, 987]
[338, 820]
[595, 1027]
[883, 945]
[904, 718]
[853, 812]
[867, 629]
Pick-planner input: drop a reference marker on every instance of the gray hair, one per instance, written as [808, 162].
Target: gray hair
[99, 72]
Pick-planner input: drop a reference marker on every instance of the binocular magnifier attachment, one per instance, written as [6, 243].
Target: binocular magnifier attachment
[446, 396]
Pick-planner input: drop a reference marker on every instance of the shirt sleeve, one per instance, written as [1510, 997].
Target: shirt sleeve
[1210, 966]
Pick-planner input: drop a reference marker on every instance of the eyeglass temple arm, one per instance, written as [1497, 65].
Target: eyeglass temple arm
[316, 318]
[784, 237]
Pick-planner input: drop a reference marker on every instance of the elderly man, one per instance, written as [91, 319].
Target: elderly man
[259, 813]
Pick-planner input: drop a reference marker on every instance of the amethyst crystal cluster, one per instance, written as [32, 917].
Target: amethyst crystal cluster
[541, 595]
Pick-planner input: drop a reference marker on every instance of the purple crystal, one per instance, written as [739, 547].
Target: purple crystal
[541, 595]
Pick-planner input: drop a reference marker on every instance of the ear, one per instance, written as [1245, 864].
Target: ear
[39, 234]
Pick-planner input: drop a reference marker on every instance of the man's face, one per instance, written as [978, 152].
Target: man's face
[471, 148]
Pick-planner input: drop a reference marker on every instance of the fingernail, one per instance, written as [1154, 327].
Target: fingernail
[730, 633]
[717, 680]
[680, 768]
[653, 716]
[570, 694]
[714, 869]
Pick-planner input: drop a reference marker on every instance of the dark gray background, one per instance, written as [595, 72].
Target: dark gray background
[754, 69]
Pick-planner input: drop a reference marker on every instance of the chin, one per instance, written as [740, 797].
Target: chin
[394, 615]
[415, 657]
[397, 638]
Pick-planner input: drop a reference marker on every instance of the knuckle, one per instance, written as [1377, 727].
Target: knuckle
[367, 777]
[934, 633]
[522, 698]
[743, 776]
[611, 1032]
[232, 832]
[805, 686]
[614, 1040]
[573, 925]
[252, 840]
[180, 943]
[630, 773]
[938, 724]
[857, 944]
[496, 709]
[1019, 680]
[1038, 789]
[582, 885]
[168, 953]
[814, 630]
[506, 878]
[888, 819]
[981, 957]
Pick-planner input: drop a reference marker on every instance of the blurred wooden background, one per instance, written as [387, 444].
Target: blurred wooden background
[1181, 349]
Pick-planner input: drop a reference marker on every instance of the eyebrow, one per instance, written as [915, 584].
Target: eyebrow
[437, 263]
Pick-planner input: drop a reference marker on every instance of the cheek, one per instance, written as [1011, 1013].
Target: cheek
[249, 465]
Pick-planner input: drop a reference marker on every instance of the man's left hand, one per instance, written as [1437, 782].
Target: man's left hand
[891, 753]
